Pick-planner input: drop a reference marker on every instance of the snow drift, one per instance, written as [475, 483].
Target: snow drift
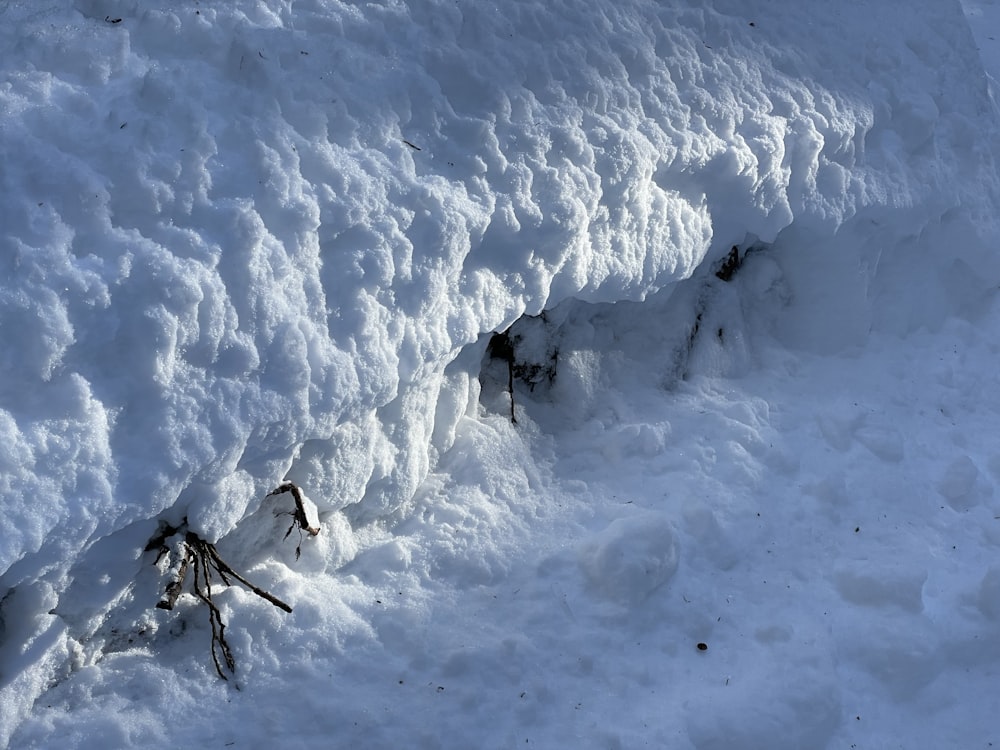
[259, 241]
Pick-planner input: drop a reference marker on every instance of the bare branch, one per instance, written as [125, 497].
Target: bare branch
[300, 507]
[209, 551]
[186, 551]
[219, 643]
[179, 558]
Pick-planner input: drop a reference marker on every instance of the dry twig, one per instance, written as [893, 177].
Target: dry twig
[185, 551]
[191, 552]
[301, 519]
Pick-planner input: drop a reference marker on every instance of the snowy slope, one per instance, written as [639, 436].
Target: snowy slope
[265, 240]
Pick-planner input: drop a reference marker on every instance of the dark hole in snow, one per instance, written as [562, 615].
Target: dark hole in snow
[527, 353]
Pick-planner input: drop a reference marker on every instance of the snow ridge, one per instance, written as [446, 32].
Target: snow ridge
[243, 243]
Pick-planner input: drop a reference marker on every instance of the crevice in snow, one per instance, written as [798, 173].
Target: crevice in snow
[700, 322]
[528, 352]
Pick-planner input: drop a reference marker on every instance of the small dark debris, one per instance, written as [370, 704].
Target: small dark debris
[122, 126]
[857, 529]
[703, 647]
[415, 148]
[303, 52]
[109, 19]
[261, 55]
[440, 688]
[753, 24]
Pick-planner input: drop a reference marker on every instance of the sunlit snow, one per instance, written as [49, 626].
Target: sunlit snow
[741, 262]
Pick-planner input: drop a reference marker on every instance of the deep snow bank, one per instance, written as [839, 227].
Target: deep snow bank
[242, 242]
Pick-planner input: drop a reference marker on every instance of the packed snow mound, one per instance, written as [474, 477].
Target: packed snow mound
[631, 558]
[242, 242]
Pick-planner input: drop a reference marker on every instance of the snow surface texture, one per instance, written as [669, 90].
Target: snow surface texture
[252, 241]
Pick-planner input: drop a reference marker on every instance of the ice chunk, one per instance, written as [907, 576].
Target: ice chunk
[632, 557]
[957, 484]
[900, 585]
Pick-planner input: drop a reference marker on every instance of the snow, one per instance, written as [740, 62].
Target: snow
[269, 241]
